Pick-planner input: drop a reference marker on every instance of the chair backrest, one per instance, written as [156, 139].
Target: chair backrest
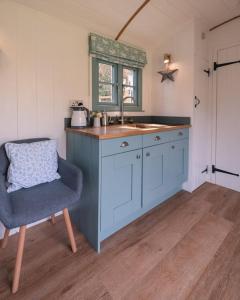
[4, 162]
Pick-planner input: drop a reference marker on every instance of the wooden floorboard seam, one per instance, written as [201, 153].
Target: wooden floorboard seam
[187, 248]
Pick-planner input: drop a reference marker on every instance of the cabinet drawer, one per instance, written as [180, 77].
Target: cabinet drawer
[164, 137]
[155, 138]
[178, 134]
[121, 145]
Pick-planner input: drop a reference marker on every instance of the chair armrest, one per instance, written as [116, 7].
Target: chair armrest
[5, 204]
[71, 175]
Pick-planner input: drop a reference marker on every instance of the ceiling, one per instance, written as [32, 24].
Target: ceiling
[155, 23]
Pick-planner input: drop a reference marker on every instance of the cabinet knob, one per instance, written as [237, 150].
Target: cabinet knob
[138, 156]
[124, 144]
[157, 138]
[180, 133]
[173, 147]
[148, 154]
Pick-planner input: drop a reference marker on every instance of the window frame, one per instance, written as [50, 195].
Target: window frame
[118, 88]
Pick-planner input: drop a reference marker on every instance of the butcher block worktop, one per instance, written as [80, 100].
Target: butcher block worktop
[117, 131]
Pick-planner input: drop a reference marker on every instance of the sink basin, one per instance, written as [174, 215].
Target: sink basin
[143, 126]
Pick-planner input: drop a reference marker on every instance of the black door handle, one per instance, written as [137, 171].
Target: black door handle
[197, 101]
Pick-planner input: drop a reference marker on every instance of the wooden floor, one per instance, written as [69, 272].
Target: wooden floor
[187, 248]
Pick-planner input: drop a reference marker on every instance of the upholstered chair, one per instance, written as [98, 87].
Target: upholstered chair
[25, 206]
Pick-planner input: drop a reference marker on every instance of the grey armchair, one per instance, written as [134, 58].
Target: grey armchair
[25, 206]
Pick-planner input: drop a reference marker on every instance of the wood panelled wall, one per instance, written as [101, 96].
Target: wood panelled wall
[43, 65]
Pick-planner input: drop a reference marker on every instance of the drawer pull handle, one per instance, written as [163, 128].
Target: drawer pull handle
[148, 154]
[157, 138]
[173, 147]
[180, 133]
[138, 156]
[124, 144]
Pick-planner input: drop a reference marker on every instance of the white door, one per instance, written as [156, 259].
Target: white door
[227, 151]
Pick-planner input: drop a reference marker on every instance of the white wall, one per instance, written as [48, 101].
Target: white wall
[175, 98]
[200, 118]
[190, 56]
[44, 64]
[224, 36]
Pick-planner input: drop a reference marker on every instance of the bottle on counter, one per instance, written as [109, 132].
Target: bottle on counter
[104, 118]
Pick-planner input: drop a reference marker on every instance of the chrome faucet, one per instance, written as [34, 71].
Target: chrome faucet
[122, 108]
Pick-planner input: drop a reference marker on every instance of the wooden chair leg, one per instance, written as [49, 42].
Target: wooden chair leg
[69, 230]
[53, 219]
[5, 238]
[18, 263]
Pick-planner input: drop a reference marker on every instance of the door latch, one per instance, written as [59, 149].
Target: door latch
[205, 170]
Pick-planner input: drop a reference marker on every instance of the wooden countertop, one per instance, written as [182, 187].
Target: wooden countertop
[117, 131]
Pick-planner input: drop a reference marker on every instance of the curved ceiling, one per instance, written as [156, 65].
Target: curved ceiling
[156, 22]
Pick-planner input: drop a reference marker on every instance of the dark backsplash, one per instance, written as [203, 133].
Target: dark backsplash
[149, 119]
[171, 120]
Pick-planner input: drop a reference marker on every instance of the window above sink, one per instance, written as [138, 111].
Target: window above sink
[112, 82]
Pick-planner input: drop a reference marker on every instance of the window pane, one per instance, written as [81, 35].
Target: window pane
[128, 76]
[105, 93]
[128, 92]
[105, 73]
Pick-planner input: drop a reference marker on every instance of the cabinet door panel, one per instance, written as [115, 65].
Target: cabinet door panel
[153, 173]
[176, 166]
[121, 187]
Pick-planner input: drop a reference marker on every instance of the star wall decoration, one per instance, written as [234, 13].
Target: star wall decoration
[167, 74]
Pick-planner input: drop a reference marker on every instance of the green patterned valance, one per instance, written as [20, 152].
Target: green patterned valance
[116, 52]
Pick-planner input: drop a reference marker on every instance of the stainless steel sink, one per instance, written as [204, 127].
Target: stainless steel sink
[143, 126]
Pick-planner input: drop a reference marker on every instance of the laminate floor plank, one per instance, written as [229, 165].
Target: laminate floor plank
[228, 207]
[213, 281]
[137, 261]
[228, 287]
[175, 276]
[110, 263]
[186, 248]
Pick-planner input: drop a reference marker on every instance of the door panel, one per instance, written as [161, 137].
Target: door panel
[153, 180]
[164, 169]
[228, 120]
[121, 187]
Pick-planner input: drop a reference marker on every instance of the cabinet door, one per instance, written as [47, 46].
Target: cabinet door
[176, 164]
[153, 174]
[121, 187]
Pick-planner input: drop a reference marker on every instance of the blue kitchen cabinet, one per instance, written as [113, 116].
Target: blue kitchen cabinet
[120, 188]
[164, 167]
[153, 174]
[176, 163]
[125, 177]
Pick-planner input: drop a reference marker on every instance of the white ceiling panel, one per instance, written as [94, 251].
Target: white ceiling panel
[158, 20]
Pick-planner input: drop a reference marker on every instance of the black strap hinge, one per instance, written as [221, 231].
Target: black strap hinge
[214, 170]
[216, 65]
